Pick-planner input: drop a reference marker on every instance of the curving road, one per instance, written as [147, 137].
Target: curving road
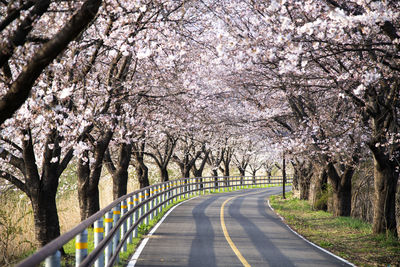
[229, 229]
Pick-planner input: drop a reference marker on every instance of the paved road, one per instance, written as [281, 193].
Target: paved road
[192, 235]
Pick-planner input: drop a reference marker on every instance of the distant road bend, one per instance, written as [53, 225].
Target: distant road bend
[230, 229]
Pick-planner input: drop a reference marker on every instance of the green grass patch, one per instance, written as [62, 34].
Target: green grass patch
[346, 237]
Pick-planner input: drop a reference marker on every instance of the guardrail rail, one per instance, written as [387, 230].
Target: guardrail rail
[116, 225]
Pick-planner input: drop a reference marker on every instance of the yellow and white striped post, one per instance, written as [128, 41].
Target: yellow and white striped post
[162, 197]
[98, 232]
[130, 219]
[143, 207]
[124, 210]
[81, 247]
[136, 215]
[147, 195]
[181, 188]
[108, 223]
[116, 216]
[156, 200]
[151, 203]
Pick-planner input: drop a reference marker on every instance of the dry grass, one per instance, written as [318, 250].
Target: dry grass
[17, 236]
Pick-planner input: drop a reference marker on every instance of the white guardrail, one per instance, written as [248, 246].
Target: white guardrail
[116, 225]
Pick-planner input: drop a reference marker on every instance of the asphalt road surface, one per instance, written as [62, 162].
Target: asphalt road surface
[193, 235]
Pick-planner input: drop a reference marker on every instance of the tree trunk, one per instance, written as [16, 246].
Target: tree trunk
[120, 183]
[398, 209]
[89, 202]
[46, 221]
[305, 181]
[214, 173]
[89, 177]
[142, 173]
[341, 185]
[42, 190]
[385, 183]
[319, 190]
[120, 175]
[88, 193]
[164, 174]
[226, 169]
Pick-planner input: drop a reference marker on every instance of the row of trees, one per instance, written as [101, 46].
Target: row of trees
[197, 82]
[327, 73]
[124, 91]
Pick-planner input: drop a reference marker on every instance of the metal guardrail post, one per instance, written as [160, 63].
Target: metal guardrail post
[136, 215]
[108, 223]
[53, 260]
[156, 200]
[147, 194]
[180, 189]
[151, 202]
[81, 247]
[130, 219]
[142, 208]
[98, 232]
[116, 216]
[124, 210]
[162, 197]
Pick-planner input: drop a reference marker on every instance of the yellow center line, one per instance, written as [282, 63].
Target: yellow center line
[225, 230]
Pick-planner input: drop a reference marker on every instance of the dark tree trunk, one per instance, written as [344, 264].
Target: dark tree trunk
[45, 215]
[254, 172]
[385, 184]
[120, 171]
[142, 173]
[319, 190]
[398, 209]
[341, 185]
[242, 174]
[89, 177]
[42, 190]
[303, 172]
[164, 173]
[214, 173]
[283, 176]
[88, 193]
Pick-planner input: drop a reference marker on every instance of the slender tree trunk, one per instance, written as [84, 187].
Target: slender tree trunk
[320, 188]
[214, 173]
[283, 176]
[398, 209]
[120, 175]
[88, 192]
[89, 202]
[164, 173]
[226, 169]
[142, 173]
[341, 185]
[385, 183]
[303, 172]
[89, 177]
[120, 183]
[254, 176]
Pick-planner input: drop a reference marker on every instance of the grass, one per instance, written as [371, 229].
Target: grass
[347, 237]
